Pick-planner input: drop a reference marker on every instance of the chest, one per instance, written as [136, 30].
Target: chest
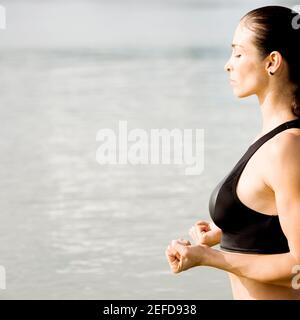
[251, 188]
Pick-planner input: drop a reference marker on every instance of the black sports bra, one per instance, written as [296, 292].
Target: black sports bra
[244, 229]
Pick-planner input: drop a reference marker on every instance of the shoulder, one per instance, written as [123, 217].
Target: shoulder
[283, 159]
[285, 145]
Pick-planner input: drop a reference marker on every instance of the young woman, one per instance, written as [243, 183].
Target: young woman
[255, 209]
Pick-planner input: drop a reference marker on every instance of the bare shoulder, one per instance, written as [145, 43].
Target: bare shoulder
[283, 159]
[285, 144]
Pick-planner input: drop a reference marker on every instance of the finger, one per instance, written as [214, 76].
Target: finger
[199, 230]
[199, 222]
[169, 253]
[170, 256]
[202, 228]
[181, 241]
[176, 265]
[173, 252]
[200, 233]
[184, 242]
[175, 262]
[178, 247]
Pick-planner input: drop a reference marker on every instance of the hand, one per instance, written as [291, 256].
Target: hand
[182, 255]
[205, 233]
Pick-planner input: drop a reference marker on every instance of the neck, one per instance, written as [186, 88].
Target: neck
[275, 108]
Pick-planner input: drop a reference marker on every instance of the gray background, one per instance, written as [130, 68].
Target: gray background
[69, 227]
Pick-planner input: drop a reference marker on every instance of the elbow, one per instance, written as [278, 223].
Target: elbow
[291, 277]
[287, 275]
[294, 282]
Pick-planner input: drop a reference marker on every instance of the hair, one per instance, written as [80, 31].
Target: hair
[275, 29]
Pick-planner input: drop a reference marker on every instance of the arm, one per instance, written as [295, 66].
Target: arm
[276, 269]
[273, 269]
[283, 176]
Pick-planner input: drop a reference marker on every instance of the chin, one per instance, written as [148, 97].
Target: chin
[241, 94]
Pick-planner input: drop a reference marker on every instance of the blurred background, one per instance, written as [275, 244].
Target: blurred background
[69, 227]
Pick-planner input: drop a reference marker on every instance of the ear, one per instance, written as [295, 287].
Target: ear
[274, 61]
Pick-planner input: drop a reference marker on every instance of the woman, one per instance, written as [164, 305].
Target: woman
[255, 209]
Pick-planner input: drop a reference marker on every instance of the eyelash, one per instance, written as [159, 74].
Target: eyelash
[238, 56]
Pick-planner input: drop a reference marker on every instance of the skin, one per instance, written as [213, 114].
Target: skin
[270, 183]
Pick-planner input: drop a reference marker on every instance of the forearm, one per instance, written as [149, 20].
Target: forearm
[273, 268]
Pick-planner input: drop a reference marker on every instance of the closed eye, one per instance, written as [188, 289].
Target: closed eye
[238, 56]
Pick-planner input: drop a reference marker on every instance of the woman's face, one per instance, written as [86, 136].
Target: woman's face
[247, 70]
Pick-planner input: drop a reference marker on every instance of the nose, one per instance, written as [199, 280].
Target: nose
[227, 66]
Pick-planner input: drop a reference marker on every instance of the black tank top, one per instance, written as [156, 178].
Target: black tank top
[244, 229]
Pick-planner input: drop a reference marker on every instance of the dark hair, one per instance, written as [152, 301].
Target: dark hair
[276, 30]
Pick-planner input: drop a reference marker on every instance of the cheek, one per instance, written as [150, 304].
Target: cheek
[246, 70]
[249, 77]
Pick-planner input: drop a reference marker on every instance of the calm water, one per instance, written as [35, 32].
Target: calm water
[69, 227]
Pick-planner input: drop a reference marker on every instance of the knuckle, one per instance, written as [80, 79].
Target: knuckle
[202, 222]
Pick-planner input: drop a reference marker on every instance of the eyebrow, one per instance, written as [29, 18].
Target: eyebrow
[235, 45]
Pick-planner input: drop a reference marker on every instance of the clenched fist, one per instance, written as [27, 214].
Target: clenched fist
[205, 233]
[182, 255]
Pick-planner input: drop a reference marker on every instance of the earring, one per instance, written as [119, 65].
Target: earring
[271, 73]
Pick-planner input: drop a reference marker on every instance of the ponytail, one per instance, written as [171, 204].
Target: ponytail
[296, 102]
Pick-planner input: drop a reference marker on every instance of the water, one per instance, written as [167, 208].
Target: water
[69, 227]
